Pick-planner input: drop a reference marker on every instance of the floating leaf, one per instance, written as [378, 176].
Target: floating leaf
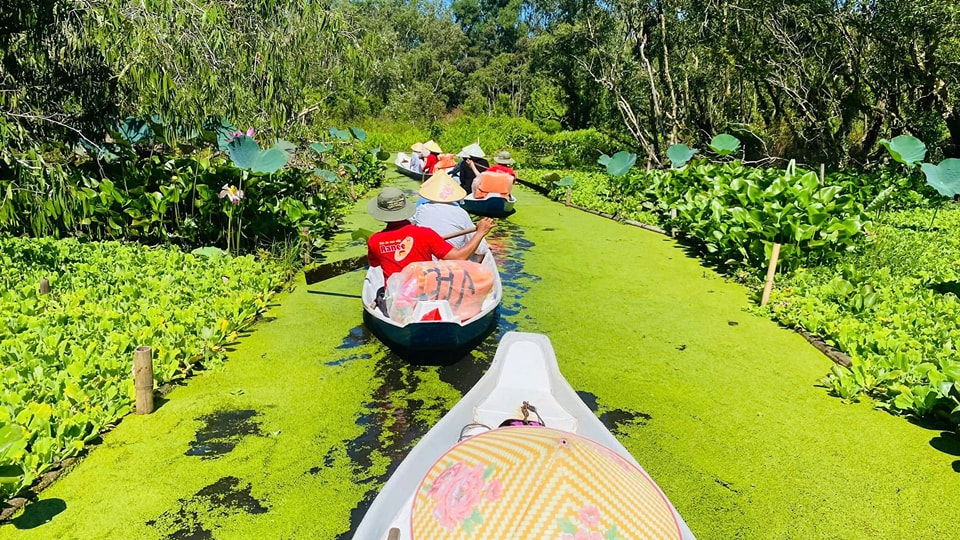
[724, 144]
[680, 154]
[360, 134]
[905, 149]
[945, 178]
[620, 163]
[341, 134]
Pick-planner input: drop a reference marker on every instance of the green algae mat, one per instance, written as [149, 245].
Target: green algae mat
[294, 434]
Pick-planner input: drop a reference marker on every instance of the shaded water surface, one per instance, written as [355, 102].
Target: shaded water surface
[391, 421]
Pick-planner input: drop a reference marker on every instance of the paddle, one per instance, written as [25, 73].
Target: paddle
[335, 268]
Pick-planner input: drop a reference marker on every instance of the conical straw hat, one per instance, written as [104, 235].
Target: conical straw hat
[441, 187]
[417, 147]
[537, 482]
[432, 147]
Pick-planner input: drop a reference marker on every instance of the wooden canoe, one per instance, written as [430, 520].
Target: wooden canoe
[430, 335]
[523, 369]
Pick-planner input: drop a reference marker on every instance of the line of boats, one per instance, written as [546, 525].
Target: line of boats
[519, 457]
[493, 205]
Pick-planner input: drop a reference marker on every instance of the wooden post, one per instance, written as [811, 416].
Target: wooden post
[771, 270]
[673, 215]
[143, 378]
[305, 236]
[649, 165]
[44, 286]
[569, 194]
[823, 173]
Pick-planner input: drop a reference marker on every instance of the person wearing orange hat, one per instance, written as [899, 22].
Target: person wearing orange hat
[441, 212]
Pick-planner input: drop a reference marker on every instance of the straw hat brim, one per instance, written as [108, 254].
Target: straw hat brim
[442, 188]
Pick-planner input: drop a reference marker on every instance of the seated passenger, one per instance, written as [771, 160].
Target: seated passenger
[441, 212]
[433, 156]
[489, 182]
[466, 171]
[416, 158]
[401, 242]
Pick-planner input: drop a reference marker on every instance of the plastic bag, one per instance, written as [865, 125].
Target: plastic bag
[462, 285]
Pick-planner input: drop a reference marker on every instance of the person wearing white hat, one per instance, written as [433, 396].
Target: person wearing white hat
[466, 170]
[401, 242]
[441, 212]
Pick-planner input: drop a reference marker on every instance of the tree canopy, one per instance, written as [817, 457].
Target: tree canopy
[816, 80]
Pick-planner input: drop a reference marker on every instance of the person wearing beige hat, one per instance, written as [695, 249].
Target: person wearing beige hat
[401, 242]
[434, 155]
[416, 158]
[441, 212]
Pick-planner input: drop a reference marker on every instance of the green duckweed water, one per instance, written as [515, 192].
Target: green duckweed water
[294, 434]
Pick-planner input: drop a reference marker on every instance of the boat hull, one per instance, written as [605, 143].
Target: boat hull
[419, 177]
[490, 206]
[431, 335]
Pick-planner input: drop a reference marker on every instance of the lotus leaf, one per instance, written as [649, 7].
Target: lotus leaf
[341, 134]
[680, 154]
[724, 144]
[360, 134]
[618, 164]
[329, 176]
[945, 178]
[905, 149]
[565, 181]
[320, 148]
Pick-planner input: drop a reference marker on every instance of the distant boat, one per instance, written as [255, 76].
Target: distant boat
[403, 167]
[433, 335]
[524, 371]
[493, 205]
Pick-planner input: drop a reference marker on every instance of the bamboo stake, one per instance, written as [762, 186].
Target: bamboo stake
[569, 194]
[143, 378]
[44, 286]
[771, 270]
[823, 173]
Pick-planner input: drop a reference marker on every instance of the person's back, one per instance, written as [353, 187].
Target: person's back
[402, 243]
[441, 212]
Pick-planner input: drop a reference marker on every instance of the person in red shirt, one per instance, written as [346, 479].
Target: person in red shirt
[433, 157]
[502, 161]
[402, 242]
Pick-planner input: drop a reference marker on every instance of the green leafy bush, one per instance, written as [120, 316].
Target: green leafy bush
[65, 357]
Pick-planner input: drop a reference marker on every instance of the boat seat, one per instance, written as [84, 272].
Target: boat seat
[524, 377]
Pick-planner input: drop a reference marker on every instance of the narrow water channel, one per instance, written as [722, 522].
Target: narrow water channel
[390, 420]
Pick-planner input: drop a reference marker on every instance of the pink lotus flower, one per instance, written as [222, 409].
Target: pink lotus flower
[232, 193]
[587, 535]
[457, 491]
[236, 134]
[590, 516]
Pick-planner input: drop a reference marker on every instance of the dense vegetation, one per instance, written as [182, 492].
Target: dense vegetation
[65, 357]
